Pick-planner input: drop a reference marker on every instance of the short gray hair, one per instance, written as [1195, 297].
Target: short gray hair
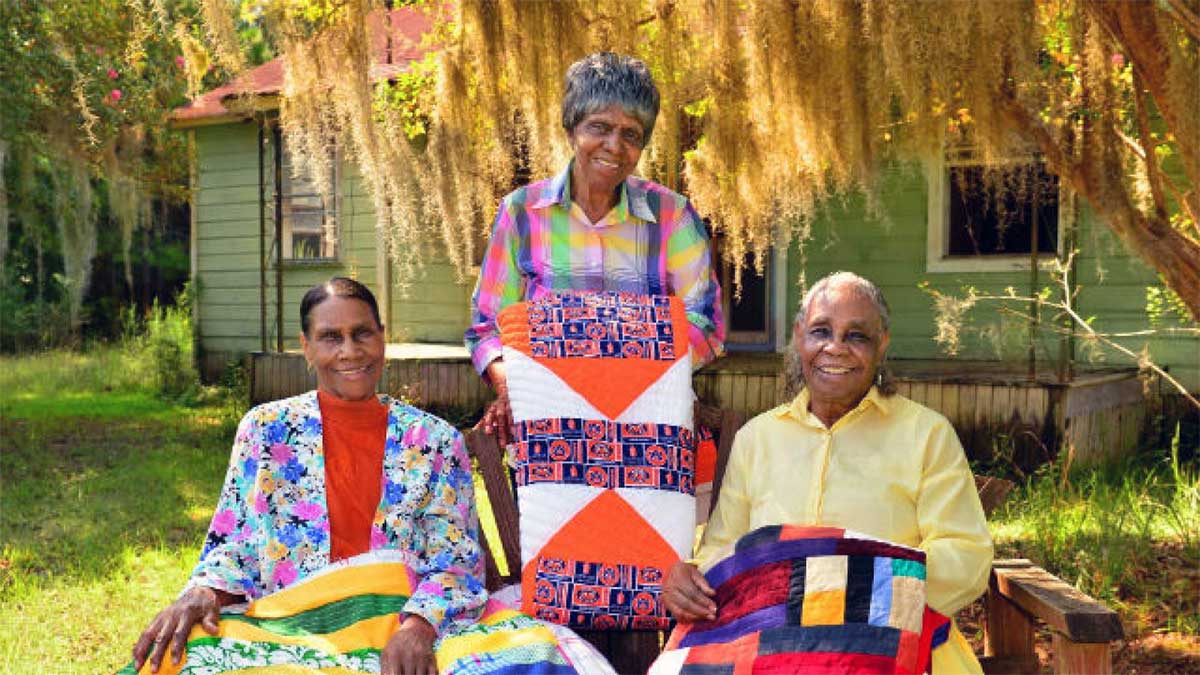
[604, 79]
[793, 368]
[860, 285]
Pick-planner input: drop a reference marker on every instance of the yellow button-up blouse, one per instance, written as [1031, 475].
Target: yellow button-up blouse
[890, 468]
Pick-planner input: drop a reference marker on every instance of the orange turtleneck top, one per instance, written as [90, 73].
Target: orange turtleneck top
[353, 434]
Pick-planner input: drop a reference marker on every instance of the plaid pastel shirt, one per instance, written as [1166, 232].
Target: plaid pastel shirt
[651, 242]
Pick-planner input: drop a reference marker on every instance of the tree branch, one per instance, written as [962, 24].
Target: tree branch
[1186, 17]
[1149, 144]
[1181, 197]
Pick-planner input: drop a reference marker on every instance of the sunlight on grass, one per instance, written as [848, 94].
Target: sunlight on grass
[107, 494]
[1126, 534]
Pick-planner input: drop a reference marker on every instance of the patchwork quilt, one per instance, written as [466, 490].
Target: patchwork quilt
[339, 620]
[811, 600]
[601, 393]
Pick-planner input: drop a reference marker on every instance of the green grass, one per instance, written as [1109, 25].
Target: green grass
[107, 492]
[1126, 533]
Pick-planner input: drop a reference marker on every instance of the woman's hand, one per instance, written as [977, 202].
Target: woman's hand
[497, 419]
[172, 625]
[687, 594]
[410, 650]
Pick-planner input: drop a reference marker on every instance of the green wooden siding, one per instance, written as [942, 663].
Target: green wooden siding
[892, 254]
[434, 306]
[227, 256]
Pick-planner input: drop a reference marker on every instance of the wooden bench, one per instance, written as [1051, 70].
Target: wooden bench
[1020, 594]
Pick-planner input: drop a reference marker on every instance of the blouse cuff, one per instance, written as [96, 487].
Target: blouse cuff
[488, 350]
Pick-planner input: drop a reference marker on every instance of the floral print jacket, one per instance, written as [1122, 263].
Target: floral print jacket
[271, 526]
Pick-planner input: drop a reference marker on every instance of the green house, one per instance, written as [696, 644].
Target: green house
[258, 242]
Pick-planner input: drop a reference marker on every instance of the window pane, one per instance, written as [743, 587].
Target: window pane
[993, 213]
[305, 213]
[748, 313]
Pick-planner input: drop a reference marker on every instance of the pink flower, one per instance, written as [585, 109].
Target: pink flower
[307, 510]
[99, 51]
[224, 522]
[260, 503]
[180, 62]
[285, 573]
[115, 95]
[1118, 61]
[378, 538]
[416, 436]
[281, 453]
[113, 74]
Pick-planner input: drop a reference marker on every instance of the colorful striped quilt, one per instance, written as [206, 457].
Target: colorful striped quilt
[601, 392]
[811, 600]
[339, 620]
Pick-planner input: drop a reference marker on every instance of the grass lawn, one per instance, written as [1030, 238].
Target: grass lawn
[106, 491]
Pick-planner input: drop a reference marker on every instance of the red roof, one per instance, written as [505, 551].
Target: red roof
[408, 26]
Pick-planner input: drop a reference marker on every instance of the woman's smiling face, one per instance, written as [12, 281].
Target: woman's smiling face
[346, 347]
[841, 346]
[607, 145]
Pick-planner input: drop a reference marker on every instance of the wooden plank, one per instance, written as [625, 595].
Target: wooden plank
[1103, 396]
[1074, 658]
[919, 392]
[725, 390]
[1002, 405]
[950, 402]
[1007, 631]
[933, 395]
[1061, 606]
[490, 462]
[737, 399]
[984, 418]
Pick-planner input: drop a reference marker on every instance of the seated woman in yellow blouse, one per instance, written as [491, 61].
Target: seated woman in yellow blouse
[847, 452]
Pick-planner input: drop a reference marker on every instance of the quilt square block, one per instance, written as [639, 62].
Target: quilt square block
[600, 387]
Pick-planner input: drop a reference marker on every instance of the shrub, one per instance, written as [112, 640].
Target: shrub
[168, 342]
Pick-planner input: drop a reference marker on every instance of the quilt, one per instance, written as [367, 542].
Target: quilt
[339, 620]
[811, 600]
[601, 393]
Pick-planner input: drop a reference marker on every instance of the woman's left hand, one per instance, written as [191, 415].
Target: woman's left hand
[410, 650]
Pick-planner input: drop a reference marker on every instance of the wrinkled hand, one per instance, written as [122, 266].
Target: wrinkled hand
[497, 419]
[410, 650]
[172, 625]
[687, 594]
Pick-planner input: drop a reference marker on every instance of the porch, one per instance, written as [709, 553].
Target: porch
[1000, 413]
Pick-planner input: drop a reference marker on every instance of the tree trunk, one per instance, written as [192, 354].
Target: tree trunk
[1175, 256]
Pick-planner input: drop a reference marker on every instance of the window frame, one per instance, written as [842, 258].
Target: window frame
[937, 243]
[773, 337]
[282, 167]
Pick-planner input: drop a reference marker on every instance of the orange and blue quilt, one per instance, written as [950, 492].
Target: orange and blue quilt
[811, 600]
[601, 393]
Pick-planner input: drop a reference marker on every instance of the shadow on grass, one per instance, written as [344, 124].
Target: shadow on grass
[89, 476]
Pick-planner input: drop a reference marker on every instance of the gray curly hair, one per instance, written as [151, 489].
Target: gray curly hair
[604, 79]
[794, 368]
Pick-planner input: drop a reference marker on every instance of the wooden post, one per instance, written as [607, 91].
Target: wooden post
[1007, 631]
[1081, 658]
[262, 235]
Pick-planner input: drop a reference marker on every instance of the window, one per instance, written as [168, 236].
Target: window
[985, 218]
[309, 219]
[750, 319]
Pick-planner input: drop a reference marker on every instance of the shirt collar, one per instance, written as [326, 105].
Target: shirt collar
[633, 199]
[798, 409]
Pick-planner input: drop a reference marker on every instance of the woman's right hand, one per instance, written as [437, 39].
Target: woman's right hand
[687, 594]
[497, 419]
[172, 625]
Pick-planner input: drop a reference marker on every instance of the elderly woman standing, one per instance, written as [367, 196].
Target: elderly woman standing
[595, 226]
[848, 453]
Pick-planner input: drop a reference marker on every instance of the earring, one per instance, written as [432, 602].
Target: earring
[879, 378]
